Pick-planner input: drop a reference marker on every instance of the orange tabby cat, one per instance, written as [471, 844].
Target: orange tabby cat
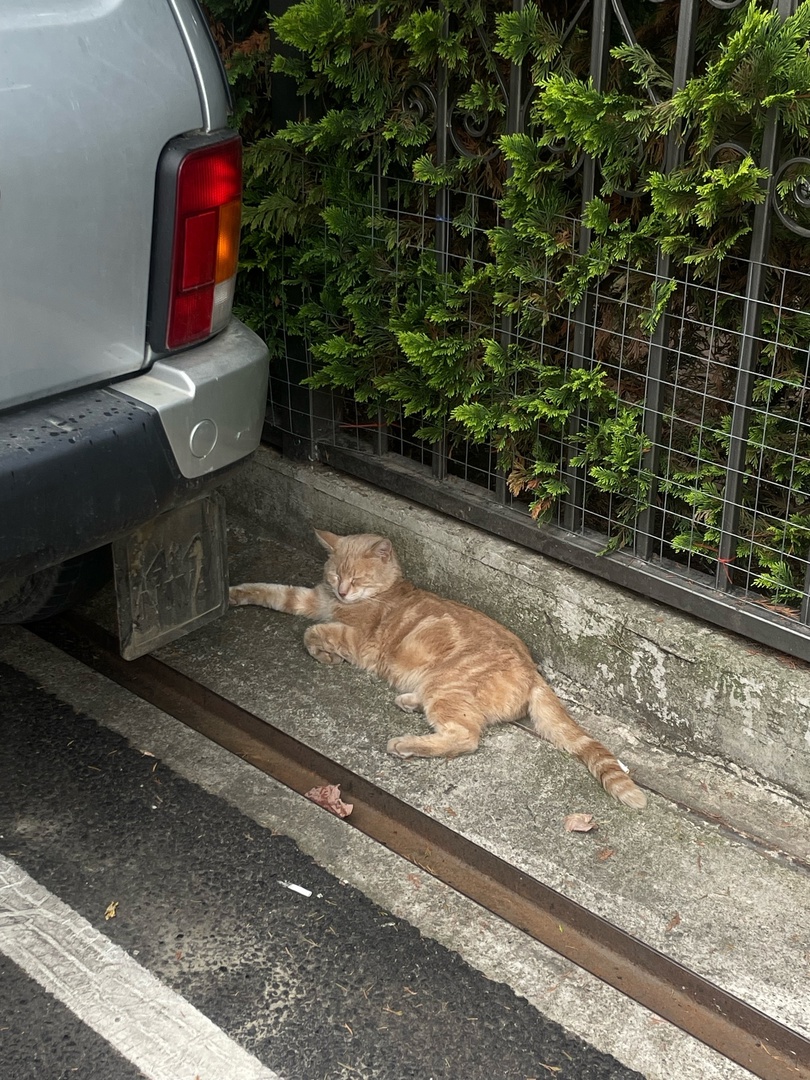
[463, 669]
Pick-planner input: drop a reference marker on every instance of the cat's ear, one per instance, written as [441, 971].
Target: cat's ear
[327, 539]
[383, 549]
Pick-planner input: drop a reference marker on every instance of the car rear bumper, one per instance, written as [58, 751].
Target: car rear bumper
[85, 468]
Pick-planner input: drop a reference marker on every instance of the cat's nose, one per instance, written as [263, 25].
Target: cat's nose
[343, 589]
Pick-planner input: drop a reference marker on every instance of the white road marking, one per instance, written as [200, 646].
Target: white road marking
[149, 1024]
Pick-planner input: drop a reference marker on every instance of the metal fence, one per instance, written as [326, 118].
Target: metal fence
[720, 379]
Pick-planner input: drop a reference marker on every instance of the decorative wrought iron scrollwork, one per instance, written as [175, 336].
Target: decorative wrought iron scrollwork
[419, 100]
[635, 190]
[474, 134]
[793, 178]
[724, 151]
[559, 150]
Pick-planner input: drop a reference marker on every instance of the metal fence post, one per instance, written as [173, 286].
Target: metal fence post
[442, 230]
[750, 346]
[582, 350]
[657, 361]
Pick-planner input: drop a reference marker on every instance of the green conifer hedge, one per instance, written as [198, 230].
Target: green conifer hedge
[342, 226]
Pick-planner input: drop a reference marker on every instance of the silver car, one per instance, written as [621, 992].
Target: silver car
[127, 389]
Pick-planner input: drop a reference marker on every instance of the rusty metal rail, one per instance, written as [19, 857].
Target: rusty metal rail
[756, 1041]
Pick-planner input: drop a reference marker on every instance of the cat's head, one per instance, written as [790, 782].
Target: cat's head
[359, 567]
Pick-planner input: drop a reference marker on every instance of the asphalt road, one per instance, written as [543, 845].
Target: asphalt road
[165, 923]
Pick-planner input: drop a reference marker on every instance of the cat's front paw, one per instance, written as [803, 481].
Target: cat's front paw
[239, 595]
[319, 645]
[323, 656]
[398, 747]
[408, 702]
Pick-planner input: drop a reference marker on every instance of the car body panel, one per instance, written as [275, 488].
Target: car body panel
[205, 61]
[89, 95]
[101, 441]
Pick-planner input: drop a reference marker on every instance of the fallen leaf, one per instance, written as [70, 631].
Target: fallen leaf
[673, 922]
[580, 823]
[112, 908]
[605, 853]
[328, 796]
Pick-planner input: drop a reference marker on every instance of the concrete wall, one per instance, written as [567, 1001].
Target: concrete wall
[669, 679]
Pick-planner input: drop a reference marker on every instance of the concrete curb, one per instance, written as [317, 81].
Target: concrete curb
[674, 682]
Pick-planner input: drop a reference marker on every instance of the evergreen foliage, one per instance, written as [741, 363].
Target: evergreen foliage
[341, 231]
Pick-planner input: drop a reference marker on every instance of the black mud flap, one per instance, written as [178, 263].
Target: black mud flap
[171, 575]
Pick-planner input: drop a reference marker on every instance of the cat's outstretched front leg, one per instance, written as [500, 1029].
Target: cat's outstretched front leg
[294, 599]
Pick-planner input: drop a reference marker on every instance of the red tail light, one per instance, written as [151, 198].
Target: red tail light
[196, 243]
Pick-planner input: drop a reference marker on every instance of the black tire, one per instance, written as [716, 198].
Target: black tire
[57, 588]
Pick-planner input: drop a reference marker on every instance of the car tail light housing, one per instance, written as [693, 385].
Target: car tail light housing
[195, 245]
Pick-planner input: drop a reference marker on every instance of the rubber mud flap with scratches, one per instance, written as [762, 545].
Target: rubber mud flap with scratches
[171, 575]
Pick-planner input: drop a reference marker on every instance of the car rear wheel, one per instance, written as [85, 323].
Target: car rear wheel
[56, 588]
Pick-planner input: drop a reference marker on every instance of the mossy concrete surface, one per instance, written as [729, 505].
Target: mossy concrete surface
[688, 884]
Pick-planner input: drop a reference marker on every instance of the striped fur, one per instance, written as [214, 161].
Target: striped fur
[461, 668]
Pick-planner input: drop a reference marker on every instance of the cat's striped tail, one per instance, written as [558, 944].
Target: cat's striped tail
[552, 722]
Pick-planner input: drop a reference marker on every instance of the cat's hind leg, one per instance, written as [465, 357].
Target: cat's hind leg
[457, 725]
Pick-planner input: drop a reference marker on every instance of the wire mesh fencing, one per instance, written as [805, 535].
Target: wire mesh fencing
[652, 428]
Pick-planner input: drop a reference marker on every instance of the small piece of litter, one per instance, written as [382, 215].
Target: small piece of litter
[579, 823]
[328, 796]
[622, 766]
[296, 888]
[112, 910]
